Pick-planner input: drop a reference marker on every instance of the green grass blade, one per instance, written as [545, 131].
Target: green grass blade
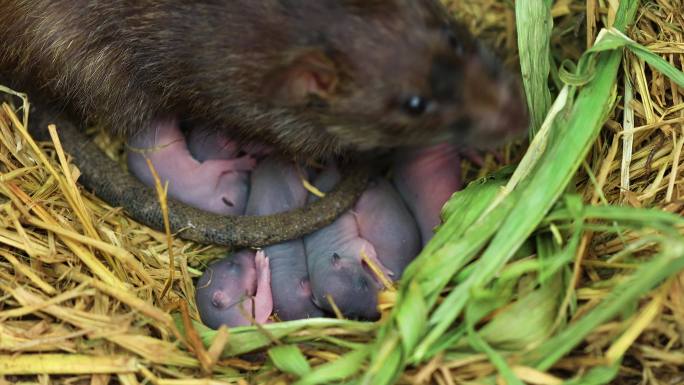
[248, 339]
[289, 359]
[499, 362]
[386, 359]
[435, 267]
[622, 214]
[538, 310]
[343, 367]
[460, 212]
[596, 376]
[614, 39]
[668, 263]
[412, 316]
[534, 24]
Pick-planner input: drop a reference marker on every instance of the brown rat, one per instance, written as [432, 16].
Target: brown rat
[311, 78]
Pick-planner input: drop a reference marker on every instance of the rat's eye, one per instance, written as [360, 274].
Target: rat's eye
[415, 105]
[362, 284]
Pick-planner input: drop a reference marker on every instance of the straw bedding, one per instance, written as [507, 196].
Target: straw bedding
[88, 296]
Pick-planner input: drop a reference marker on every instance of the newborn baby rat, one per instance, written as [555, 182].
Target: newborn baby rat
[379, 226]
[216, 180]
[277, 187]
[235, 290]
[310, 78]
[426, 178]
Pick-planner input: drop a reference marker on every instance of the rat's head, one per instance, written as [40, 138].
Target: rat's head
[380, 74]
[349, 285]
[224, 291]
[294, 302]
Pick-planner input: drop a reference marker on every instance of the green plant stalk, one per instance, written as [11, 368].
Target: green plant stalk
[476, 197]
[251, 338]
[596, 376]
[344, 367]
[289, 359]
[499, 362]
[534, 24]
[622, 213]
[618, 39]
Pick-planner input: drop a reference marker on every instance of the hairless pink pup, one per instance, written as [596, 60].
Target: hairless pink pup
[277, 187]
[426, 178]
[379, 226]
[235, 291]
[218, 182]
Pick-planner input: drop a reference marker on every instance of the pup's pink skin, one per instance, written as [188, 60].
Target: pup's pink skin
[276, 187]
[349, 232]
[426, 178]
[220, 186]
[335, 265]
[235, 290]
[384, 220]
[379, 225]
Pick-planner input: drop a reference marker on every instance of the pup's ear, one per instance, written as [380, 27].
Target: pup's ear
[307, 76]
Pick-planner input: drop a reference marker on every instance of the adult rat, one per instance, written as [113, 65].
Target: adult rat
[311, 78]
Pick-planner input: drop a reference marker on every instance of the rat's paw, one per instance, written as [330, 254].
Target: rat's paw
[263, 270]
[263, 300]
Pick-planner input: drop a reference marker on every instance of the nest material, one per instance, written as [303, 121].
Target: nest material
[89, 296]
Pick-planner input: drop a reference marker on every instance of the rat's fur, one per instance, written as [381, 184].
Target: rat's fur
[311, 77]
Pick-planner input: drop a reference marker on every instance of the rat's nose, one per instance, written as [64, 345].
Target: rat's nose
[493, 102]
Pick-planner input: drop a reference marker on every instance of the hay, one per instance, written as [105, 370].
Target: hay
[83, 294]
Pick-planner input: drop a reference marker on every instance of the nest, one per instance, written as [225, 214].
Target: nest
[568, 270]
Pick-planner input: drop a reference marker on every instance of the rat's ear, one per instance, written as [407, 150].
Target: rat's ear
[308, 76]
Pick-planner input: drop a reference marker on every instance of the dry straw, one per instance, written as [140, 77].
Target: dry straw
[564, 270]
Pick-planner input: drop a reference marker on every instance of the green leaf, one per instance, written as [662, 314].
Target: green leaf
[479, 344]
[534, 24]
[525, 323]
[247, 339]
[289, 359]
[599, 375]
[616, 38]
[412, 317]
[344, 367]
